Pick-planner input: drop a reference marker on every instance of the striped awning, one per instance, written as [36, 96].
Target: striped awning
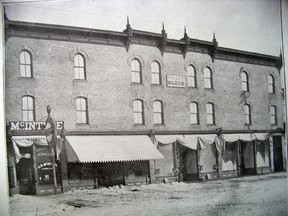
[89, 149]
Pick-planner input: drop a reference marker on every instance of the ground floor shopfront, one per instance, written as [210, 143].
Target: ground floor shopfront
[92, 161]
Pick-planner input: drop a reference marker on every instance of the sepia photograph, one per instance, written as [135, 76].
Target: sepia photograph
[144, 107]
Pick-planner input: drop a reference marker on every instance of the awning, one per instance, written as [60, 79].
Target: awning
[87, 149]
[26, 141]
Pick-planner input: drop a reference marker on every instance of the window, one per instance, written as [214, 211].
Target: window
[210, 113]
[155, 73]
[138, 112]
[28, 108]
[136, 71]
[245, 81]
[158, 112]
[271, 84]
[25, 64]
[194, 113]
[81, 110]
[79, 67]
[191, 76]
[208, 78]
[247, 113]
[273, 115]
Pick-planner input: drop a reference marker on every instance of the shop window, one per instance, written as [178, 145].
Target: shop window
[158, 112]
[81, 110]
[191, 76]
[28, 112]
[155, 73]
[210, 113]
[245, 81]
[136, 76]
[138, 112]
[79, 67]
[247, 113]
[194, 116]
[25, 64]
[273, 115]
[271, 84]
[208, 78]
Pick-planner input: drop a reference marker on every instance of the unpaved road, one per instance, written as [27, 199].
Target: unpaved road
[253, 195]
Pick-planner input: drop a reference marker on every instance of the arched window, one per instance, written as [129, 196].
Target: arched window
[191, 76]
[210, 114]
[138, 112]
[245, 81]
[155, 73]
[194, 115]
[208, 78]
[273, 115]
[81, 110]
[25, 64]
[271, 84]
[28, 110]
[136, 76]
[158, 112]
[247, 113]
[79, 67]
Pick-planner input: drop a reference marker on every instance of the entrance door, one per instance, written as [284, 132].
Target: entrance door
[277, 153]
[247, 158]
[25, 172]
[188, 164]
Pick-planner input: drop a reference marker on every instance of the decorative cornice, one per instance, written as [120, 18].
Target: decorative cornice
[129, 36]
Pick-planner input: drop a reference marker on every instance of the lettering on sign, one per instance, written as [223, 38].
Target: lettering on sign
[32, 126]
[175, 81]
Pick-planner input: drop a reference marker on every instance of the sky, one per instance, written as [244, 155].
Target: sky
[249, 25]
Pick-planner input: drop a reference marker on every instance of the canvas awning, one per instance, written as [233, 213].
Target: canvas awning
[89, 149]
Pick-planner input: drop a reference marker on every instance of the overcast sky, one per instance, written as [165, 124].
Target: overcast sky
[251, 25]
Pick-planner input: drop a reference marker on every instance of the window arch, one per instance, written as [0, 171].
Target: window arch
[247, 113]
[155, 73]
[208, 78]
[138, 112]
[28, 108]
[194, 113]
[25, 64]
[81, 110]
[79, 67]
[210, 114]
[271, 84]
[273, 115]
[191, 76]
[136, 75]
[158, 112]
[245, 81]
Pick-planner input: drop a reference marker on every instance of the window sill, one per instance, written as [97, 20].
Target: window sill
[159, 125]
[209, 89]
[27, 78]
[136, 84]
[156, 85]
[80, 80]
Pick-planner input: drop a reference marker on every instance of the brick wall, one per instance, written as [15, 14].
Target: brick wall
[110, 92]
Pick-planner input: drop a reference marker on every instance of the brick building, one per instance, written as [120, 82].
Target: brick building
[137, 107]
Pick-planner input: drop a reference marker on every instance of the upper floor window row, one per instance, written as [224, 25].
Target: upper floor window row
[28, 108]
[26, 64]
[79, 67]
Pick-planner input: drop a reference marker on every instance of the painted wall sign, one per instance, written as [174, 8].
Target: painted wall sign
[33, 126]
[175, 81]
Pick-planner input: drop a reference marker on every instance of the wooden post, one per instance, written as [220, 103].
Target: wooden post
[219, 163]
[255, 155]
[54, 171]
[35, 168]
[238, 158]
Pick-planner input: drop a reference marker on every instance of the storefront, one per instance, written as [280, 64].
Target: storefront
[204, 157]
[30, 159]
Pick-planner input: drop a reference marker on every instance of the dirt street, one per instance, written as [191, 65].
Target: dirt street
[251, 195]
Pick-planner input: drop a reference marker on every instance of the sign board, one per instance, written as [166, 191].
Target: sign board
[175, 81]
[32, 125]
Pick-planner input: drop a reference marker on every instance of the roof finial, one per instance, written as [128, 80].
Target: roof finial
[185, 29]
[214, 35]
[163, 27]
[127, 20]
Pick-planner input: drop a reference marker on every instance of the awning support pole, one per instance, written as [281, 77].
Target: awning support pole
[54, 171]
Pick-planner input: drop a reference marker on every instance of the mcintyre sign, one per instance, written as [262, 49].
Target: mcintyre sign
[175, 81]
[32, 125]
